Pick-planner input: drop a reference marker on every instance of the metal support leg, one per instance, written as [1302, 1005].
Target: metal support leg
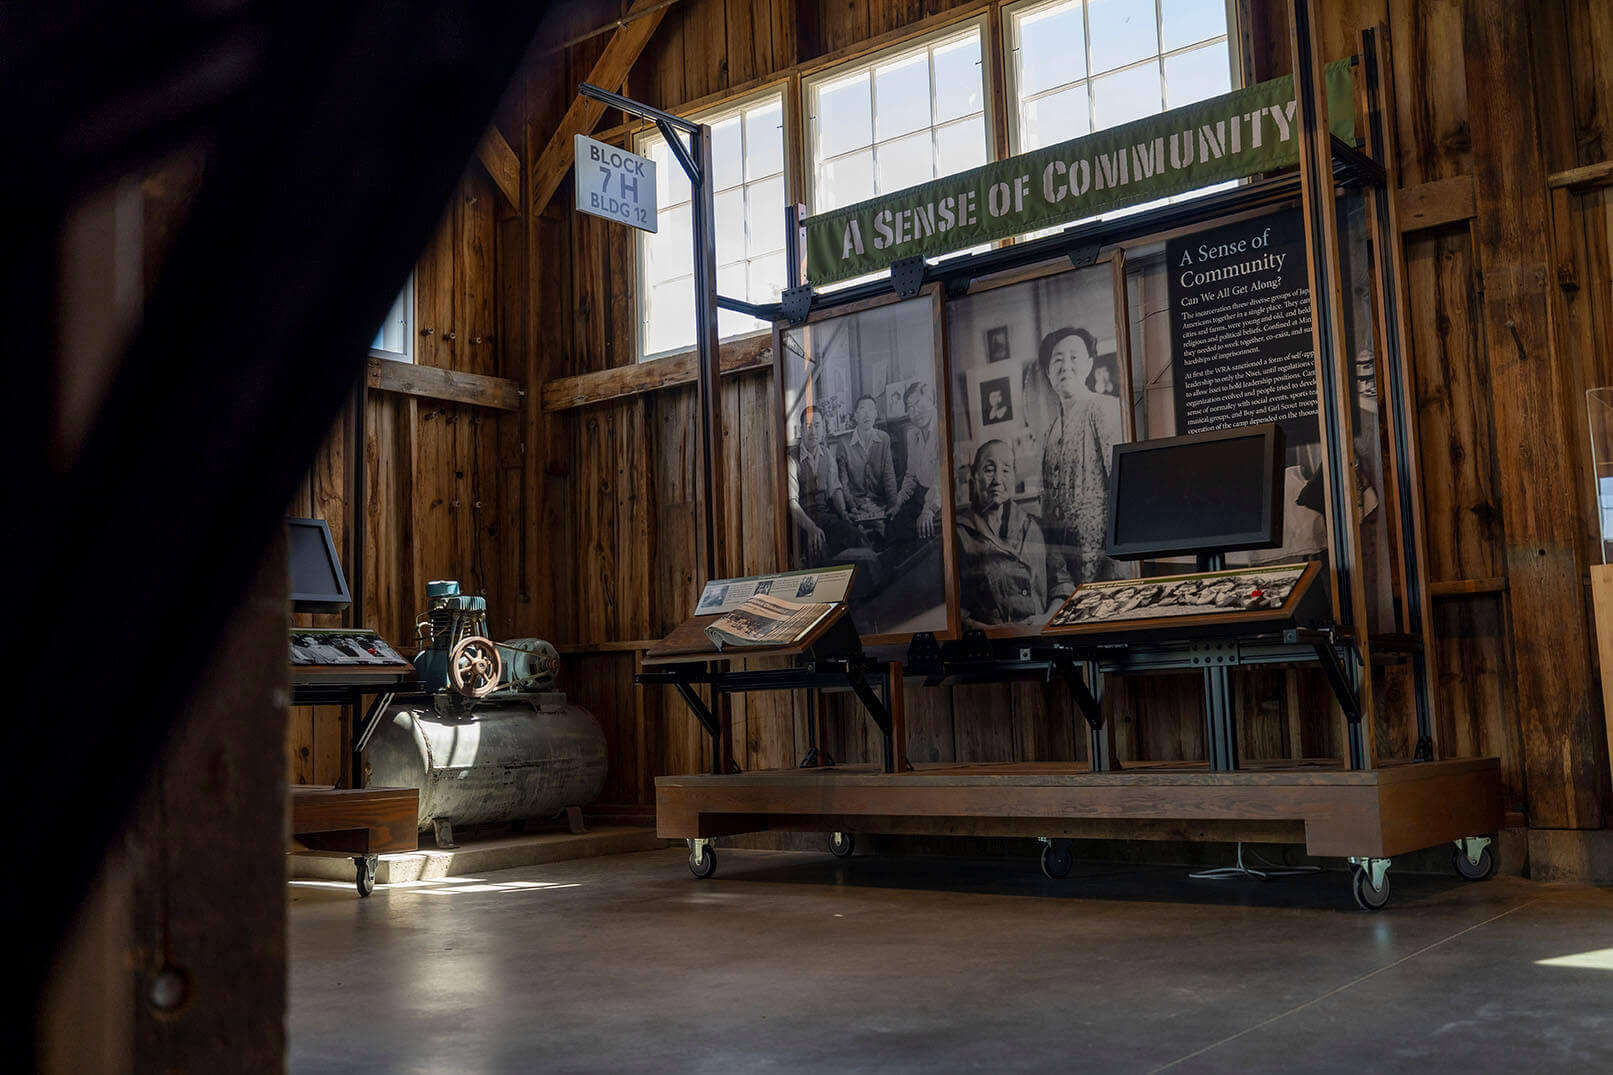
[881, 716]
[1089, 704]
[707, 721]
[1220, 719]
[1338, 678]
[372, 721]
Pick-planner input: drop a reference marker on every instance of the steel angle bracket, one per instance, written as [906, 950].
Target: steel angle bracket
[797, 303]
[907, 276]
[1085, 254]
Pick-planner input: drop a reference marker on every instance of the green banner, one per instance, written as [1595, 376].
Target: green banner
[1228, 137]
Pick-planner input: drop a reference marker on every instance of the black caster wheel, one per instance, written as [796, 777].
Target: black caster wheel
[705, 865]
[1057, 858]
[842, 844]
[1369, 898]
[1482, 870]
[364, 874]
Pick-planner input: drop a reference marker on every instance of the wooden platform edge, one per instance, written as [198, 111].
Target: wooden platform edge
[1342, 816]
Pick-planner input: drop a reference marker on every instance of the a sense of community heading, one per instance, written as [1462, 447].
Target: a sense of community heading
[1238, 134]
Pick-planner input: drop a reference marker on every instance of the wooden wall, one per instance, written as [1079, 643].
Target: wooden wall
[590, 539]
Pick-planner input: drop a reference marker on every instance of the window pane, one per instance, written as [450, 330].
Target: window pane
[670, 319]
[902, 96]
[765, 207]
[671, 185]
[843, 117]
[960, 146]
[726, 166]
[1122, 32]
[1125, 96]
[1055, 118]
[671, 249]
[1052, 48]
[1187, 21]
[904, 162]
[766, 278]
[731, 282]
[1193, 76]
[844, 181]
[730, 205]
[764, 140]
[958, 81]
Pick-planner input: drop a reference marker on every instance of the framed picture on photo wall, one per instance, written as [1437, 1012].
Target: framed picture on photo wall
[865, 467]
[1032, 439]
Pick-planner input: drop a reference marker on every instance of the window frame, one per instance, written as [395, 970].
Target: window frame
[1012, 98]
[980, 22]
[407, 355]
[716, 112]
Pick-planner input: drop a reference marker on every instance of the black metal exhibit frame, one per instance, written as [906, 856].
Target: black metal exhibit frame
[1363, 810]
[836, 661]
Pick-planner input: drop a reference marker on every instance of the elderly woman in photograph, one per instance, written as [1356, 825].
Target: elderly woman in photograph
[1008, 573]
[1076, 456]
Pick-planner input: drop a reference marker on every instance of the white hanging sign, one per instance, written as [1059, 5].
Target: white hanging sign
[615, 184]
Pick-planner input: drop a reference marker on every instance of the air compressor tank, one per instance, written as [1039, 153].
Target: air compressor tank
[513, 756]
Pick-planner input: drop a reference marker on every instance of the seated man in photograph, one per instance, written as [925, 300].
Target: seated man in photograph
[871, 476]
[817, 499]
[1008, 573]
[917, 510]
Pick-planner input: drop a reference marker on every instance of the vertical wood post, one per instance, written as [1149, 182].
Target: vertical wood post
[1551, 669]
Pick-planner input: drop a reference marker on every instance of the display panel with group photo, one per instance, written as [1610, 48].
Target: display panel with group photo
[864, 468]
[1038, 383]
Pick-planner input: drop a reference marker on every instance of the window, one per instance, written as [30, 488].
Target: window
[394, 338]
[747, 162]
[1079, 66]
[900, 119]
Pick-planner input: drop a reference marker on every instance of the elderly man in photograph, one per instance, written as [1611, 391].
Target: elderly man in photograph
[1008, 573]
[817, 500]
[872, 475]
[917, 511]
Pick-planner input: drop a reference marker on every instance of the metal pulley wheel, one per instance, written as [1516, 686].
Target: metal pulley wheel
[474, 667]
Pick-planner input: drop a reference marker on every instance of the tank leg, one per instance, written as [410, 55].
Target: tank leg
[444, 829]
[574, 820]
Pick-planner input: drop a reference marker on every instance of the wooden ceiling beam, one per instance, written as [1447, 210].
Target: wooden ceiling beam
[610, 72]
[503, 166]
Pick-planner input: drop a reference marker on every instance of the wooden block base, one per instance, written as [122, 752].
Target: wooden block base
[354, 821]
[1335, 812]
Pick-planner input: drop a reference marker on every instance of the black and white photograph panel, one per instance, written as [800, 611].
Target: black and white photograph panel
[1031, 444]
[862, 435]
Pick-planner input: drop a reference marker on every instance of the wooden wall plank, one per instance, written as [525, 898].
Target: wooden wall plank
[1539, 500]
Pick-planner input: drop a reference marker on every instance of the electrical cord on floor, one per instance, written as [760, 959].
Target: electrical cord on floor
[1261, 869]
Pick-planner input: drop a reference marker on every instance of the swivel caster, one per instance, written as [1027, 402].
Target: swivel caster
[702, 858]
[1057, 858]
[364, 873]
[1475, 859]
[1369, 882]
[842, 844]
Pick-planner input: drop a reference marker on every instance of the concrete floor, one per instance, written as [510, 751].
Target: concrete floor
[789, 961]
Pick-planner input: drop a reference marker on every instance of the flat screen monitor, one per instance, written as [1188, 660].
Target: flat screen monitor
[317, 582]
[1204, 493]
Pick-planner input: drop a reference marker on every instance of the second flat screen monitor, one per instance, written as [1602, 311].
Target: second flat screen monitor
[1205, 493]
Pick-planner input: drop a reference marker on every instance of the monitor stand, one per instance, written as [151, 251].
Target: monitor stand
[1220, 707]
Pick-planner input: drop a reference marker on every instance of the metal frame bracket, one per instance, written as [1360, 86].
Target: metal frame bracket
[796, 303]
[1085, 254]
[907, 276]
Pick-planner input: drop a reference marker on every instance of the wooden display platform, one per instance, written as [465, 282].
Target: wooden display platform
[354, 821]
[1381, 812]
